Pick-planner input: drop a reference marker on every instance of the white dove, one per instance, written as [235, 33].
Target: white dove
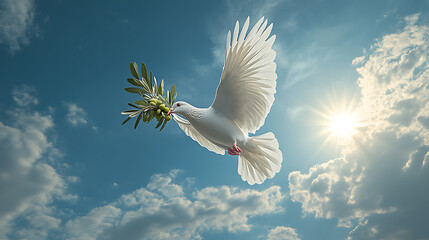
[243, 99]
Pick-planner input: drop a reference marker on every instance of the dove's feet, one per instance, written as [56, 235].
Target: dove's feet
[235, 150]
[231, 152]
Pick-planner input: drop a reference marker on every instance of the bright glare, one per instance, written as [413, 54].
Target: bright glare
[340, 122]
[343, 125]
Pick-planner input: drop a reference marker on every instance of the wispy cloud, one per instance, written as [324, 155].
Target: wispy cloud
[162, 210]
[301, 61]
[378, 187]
[16, 23]
[226, 22]
[76, 115]
[24, 95]
[283, 233]
[295, 111]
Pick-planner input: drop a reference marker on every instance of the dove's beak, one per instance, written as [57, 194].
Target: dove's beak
[171, 110]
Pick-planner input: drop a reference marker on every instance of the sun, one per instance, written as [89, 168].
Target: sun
[340, 121]
[343, 125]
[340, 126]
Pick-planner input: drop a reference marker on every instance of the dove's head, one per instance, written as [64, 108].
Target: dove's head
[180, 108]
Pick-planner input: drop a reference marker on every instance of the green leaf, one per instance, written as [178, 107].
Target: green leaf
[128, 112]
[146, 87]
[147, 97]
[172, 92]
[161, 87]
[135, 82]
[126, 120]
[141, 102]
[132, 105]
[135, 114]
[138, 120]
[144, 72]
[150, 80]
[134, 90]
[167, 97]
[160, 122]
[150, 118]
[163, 125]
[134, 70]
[155, 86]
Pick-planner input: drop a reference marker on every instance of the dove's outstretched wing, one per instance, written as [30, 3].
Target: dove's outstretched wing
[248, 82]
[187, 127]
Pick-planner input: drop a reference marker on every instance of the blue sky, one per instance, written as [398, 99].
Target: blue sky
[69, 170]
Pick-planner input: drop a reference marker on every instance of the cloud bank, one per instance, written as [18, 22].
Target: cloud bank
[162, 210]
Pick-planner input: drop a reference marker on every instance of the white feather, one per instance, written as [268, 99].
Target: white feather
[189, 130]
[235, 35]
[246, 91]
[243, 31]
[228, 43]
[254, 29]
[256, 165]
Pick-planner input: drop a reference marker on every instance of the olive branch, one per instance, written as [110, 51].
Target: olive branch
[155, 103]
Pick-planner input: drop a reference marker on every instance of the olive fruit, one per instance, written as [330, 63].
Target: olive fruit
[166, 109]
[158, 111]
[153, 103]
[168, 118]
[162, 106]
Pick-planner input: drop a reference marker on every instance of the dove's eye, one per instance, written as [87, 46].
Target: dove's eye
[178, 104]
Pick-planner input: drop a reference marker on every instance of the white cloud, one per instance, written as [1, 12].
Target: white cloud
[91, 225]
[163, 211]
[94, 128]
[28, 182]
[283, 233]
[16, 23]
[358, 60]
[41, 222]
[24, 95]
[76, 115]
[379, 185]
[73, 179]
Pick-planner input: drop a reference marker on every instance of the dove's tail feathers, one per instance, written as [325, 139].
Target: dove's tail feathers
[260, 159]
